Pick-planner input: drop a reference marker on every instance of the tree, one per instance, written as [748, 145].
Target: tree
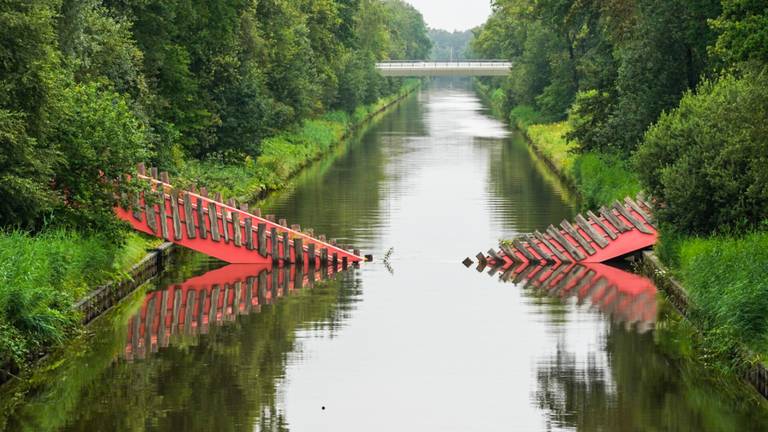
[742, 32]
[705, 161]
[99, 139]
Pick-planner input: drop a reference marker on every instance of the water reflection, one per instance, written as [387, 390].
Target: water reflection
[184, 311]
[621, 295]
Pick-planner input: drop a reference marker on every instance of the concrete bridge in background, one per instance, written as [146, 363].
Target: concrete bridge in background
[414, 68]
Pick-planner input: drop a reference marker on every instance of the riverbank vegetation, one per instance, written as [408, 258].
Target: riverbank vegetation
[667, 96]
[90, 88]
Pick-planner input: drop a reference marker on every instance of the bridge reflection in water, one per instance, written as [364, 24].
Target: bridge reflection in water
[214, 298]
[624, 296]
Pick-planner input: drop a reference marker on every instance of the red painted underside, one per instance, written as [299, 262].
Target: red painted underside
[626, 243]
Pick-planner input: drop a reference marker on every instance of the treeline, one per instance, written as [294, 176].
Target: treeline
[90, 87]
[447, 45]
[680, 86]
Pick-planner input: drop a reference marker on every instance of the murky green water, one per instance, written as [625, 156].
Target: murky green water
[414, 343]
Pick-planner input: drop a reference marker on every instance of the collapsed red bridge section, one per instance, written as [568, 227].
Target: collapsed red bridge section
[622, 229]
[224, 231]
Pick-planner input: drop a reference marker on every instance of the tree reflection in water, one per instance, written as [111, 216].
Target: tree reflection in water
[616, 378]
[218, 367]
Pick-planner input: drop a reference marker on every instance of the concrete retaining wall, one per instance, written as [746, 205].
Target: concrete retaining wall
[103, 298]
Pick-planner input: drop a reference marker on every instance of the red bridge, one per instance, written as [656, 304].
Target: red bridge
[224, 231]
[617, 231]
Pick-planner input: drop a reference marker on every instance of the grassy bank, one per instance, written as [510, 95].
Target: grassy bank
[42, 276]
[285, 154]
[725, 280]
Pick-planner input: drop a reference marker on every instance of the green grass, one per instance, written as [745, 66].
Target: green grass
[283, 155]
[41, 277]
[727, 281]
[599, 178]
[134, 249]
[603, 178]
[523, 116]
[549, 140]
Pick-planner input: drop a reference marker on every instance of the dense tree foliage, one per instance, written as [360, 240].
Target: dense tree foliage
[90, 87]
[450, 45]
[708, 159]
[614, 68]
[622, 62]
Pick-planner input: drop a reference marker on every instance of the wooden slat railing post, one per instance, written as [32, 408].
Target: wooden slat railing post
[189, 219]
[201, 219]
[298, 248]
[261, 230]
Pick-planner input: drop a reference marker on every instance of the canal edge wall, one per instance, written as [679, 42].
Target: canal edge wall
[651, 266]
[103, 298]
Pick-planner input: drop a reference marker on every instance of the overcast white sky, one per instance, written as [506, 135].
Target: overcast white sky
[453, 14]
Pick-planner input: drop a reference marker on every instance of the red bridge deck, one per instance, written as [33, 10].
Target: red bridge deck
[223, 231]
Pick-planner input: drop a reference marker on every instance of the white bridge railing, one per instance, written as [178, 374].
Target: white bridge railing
[444, 68]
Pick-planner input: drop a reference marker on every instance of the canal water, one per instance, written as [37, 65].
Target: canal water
[412, 341]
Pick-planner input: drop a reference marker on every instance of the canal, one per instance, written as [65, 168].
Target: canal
[412, 341]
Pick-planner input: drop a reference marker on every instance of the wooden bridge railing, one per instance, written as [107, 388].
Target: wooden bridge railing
[622, 229]
[225, 231]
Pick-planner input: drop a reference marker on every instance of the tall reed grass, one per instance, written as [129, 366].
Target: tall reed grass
[41, 277]
[726, 279]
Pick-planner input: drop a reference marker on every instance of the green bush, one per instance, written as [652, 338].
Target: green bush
[706, 160]
[99, 139]
[587, 117]
[523, 116]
